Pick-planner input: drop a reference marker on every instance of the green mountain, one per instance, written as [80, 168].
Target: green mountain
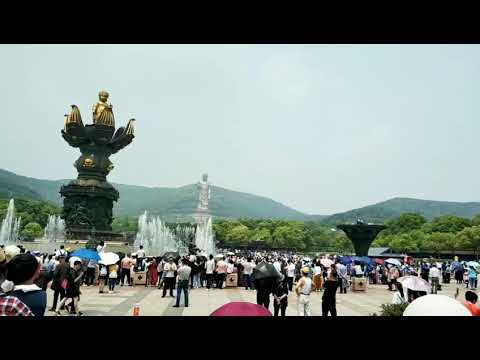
[385, 210]
[167, 202]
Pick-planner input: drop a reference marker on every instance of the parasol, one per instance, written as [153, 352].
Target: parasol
[241, 309]
[345, 260]
[414, 283]
[326, 262]
[265, 271]
[379, 261]
[393, 262]
[173, 254]
[108, 258]
[436, 305]
[87, 254]
[473, 264]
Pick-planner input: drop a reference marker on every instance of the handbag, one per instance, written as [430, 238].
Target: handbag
[64, 284]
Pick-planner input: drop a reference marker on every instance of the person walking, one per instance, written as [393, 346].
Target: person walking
[209, 269]
[73, 289]
[183, 276]
[59, 281]
[328, 298]
[281, 297]
[112, 277]
[169, 280]
[126, 265]
[303, 290]
[434, 275]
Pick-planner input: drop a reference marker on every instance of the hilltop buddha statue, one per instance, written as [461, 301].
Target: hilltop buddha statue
[102, 111]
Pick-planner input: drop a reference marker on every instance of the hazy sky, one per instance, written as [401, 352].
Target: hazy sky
[320, 128]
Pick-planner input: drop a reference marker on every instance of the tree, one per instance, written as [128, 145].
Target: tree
[343, 244]
[262, 234]
[404, 223]
[240, 234]
[470, 238]
[447, 224]
[403, 243]
[439, 241]
[32, 231]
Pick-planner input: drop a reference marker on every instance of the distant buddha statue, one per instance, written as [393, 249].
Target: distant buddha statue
[102, 111]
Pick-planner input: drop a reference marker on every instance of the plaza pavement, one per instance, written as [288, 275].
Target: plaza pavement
[203, 302]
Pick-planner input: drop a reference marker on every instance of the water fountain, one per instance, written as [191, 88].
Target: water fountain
[204, 239]
[55, 229]
[10, 226]
[157, 238]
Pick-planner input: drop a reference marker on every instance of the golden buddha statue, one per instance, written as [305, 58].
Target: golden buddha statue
[102, 111]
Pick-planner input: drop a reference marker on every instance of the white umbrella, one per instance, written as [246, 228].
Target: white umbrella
[108, 258]
[219, 256]
[326, 262]
[436, 305]
[414, 283]
[73, 259]
[230, 253]
[393, 262]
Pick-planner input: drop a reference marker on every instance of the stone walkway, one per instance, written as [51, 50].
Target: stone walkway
[203, 302]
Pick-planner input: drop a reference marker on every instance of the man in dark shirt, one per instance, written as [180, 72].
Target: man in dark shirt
[328, 299]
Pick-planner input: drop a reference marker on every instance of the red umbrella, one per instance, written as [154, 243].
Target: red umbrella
[241, 309]
[379, 261]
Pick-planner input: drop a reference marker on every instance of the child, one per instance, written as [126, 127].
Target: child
[470, 302]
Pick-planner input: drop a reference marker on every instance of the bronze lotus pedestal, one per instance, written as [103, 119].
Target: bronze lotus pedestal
[361, 235]
[88, 200]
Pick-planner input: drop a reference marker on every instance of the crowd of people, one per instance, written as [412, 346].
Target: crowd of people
[25, 277]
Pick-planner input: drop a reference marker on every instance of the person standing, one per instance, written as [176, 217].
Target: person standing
[140, 253]
[280, 296]
[90, 274]
[21, 272]
[328, 298]
[303, 290]
[317, 277]
[290, 274]
[169, 281]
[471, 303]
[434, 275]
[342, 277]
[247, 273]
[101, 247]
[59, 281]
[126, 265]
[102, 278]
[209, 269]
[112, 277]
[183, 275]
[472, 277]
[221, 273]
[152, 273]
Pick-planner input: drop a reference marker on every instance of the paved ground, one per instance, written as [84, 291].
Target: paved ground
[203, 302]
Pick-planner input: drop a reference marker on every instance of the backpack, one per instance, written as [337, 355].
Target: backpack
[103, 271]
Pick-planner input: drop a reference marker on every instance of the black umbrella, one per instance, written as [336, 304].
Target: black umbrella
[175, 255]
[265, 270]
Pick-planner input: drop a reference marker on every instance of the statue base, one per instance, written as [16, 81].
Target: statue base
[87, 207]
